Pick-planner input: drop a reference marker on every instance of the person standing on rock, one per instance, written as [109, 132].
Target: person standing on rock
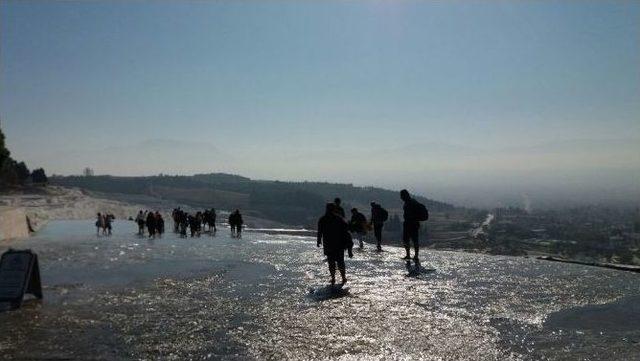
[198, 223]
[159, 224]
[184, 223]
[151, 224]
[414, 213]
[235, 221]
[379, 215]
[333, 235]
[140, 219]
[108, 220]
[213, 220]
[99, 223]
[358, 225]
[205, 221]
[232, 224]
[193, 226]
[175, 215]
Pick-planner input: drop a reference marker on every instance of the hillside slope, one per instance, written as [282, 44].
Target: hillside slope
[294, 203]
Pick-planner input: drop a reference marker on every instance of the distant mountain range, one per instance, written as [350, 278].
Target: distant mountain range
[293, 203]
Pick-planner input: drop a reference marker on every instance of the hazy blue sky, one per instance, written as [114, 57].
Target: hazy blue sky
[316, 90]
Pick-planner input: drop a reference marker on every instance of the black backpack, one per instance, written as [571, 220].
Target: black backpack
[384, 214]
[422, 213]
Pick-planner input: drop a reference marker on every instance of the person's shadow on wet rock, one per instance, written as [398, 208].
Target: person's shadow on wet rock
[414, 271]
[328, 293]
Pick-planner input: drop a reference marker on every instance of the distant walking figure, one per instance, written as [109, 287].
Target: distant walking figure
[414, 213]
[99, 223]
[198, 223]
[193, 225]
[235, 221]
[379, 215]
[175, 215]
[338, 208]
[151, 224]
[333, 235]
[212, 220]
[108, 220]
[358, 225]
[140, 221]
[184, 222]
[159, 224]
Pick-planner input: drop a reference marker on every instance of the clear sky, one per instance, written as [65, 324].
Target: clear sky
[370, 92]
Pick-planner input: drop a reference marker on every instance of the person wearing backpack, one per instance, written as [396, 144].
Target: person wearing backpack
[379, 215]
[414, 213]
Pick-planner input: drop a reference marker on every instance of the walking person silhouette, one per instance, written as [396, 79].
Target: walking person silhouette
[414, 213]
[334, 237]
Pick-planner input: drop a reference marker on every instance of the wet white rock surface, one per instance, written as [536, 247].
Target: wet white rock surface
[265, 297]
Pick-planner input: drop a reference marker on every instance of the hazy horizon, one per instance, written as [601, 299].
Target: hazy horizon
[478, 104]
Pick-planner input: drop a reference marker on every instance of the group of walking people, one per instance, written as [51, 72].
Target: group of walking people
[335, 232]
[236, 222]
[185, 223]
[104, 223]
[153, 222]
[197, 223]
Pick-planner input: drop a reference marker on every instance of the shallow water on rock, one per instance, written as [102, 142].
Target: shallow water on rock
[266, 297]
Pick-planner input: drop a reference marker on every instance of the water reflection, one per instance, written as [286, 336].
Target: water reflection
[267, 297]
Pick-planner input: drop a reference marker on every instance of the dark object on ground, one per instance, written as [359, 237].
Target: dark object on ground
[19, 275]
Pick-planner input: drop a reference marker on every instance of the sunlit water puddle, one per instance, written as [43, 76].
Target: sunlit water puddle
[266, 297]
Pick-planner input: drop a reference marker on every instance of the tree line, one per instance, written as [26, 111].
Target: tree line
[14, 173]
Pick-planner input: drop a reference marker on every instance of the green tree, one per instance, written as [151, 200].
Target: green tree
[8, 174]
[39, 176]
[22, 172]
[5, 155]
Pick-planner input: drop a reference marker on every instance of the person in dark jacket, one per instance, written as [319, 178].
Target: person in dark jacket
[235, 221]
[232, 224]
[198, 223]
[151, 224]
[378, 216]
[175, 215]
[358, 225]
[184, 223]
[108, 223]
[140, 219]
[99, 223]
[334, 237]
[212, 220]
[411, 224]
[159, 224]
[193, 225]
[338, 209]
